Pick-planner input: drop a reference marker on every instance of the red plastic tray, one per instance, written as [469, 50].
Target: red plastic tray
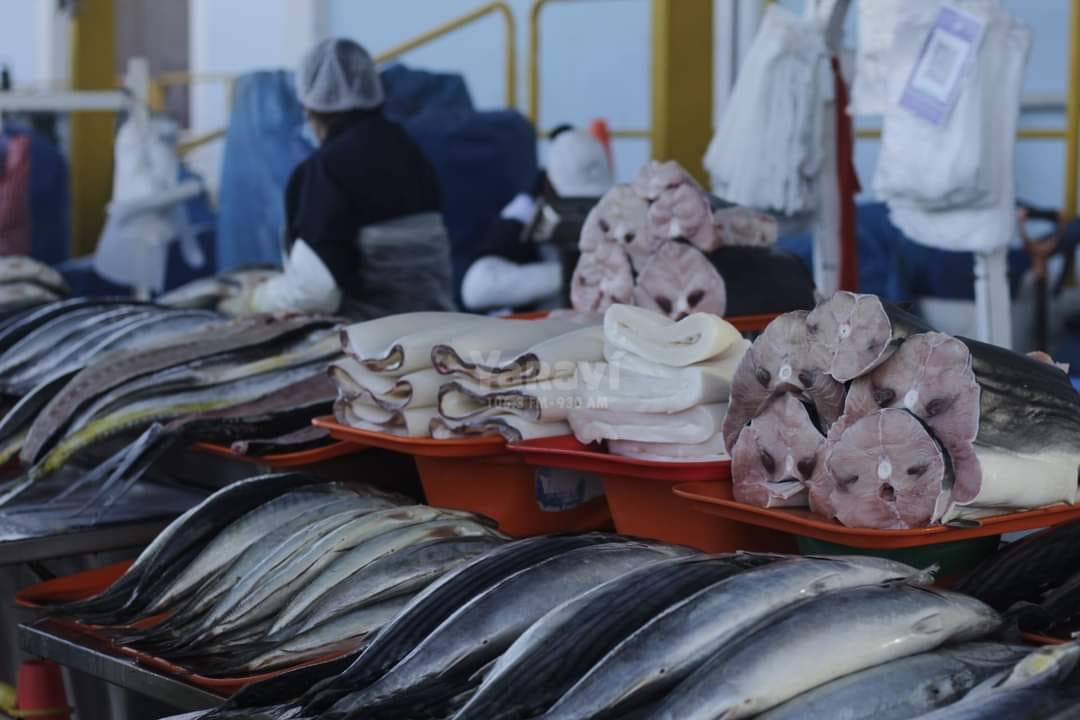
[716, 499]
[1038, 639]
[566, 452]
[423, 447]
[89, 583]
[751, 323]
[284, 460]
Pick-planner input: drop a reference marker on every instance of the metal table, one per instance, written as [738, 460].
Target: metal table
[83, 541]
[86, 654]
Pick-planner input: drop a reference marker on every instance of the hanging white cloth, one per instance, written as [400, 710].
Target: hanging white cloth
[767, 151]
[146, 213]
[950, 185]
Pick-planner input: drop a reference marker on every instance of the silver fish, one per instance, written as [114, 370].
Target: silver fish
[482, 629]
[821, 640]
[409, 570]
[905, 688]
[412, 529]
[649, 663]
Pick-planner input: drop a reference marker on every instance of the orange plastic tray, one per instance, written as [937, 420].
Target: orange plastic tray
[88, 583]
[284, 460]
[716, 499]
[639, 495]
[566, 452]
[420, 447]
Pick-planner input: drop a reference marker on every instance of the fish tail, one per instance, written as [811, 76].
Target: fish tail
[116, 468]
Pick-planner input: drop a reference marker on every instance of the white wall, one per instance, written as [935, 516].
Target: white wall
[18, 40]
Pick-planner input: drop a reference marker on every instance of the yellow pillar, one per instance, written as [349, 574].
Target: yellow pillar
[682, 85]
[92, 68]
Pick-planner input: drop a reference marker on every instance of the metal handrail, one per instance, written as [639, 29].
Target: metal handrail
[450, 26]
[533, 102]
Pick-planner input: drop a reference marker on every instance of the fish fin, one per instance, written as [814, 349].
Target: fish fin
[925, 576]
[931, 624]
[478, 676]
[125, 462]
[17, 487]
[93, 476]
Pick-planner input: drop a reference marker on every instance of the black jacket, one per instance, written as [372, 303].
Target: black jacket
[367, 171]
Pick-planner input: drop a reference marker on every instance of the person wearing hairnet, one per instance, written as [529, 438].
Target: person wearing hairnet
[513, 272]
[364, 235]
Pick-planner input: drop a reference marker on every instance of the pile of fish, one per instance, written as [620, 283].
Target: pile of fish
[281, 569]
[82, 371]
[873, 419]
[451, 374]
[1037, 577]
[601, 627]
[662, 392]
[661, 244]
[25, 282]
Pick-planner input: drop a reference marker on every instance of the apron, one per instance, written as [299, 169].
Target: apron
[404, 267]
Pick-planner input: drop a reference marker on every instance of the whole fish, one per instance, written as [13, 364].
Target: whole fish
[343, 634]
[30, 320]
[665, 651]
[267, 550]
[1021, 704]
[902, 689]
[1027, 569]
[115, 368]
[348, 542]
[241, 534]
[386, 545]
[192, 529]
[308, 438]
[565, 643]
[442, 666]
[438, 602]
[209, 292]
[409, 570]
[821, 640]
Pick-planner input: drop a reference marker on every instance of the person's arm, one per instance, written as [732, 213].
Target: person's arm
[307, 285]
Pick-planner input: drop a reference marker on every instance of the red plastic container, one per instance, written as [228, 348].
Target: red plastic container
[639, 493]
[39, 692]
[480, 475]
[715, 499]
[283, 461]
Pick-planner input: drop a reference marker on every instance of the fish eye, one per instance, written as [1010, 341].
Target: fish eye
[917, 469]
[604, 226]
[806, 466]
[807, 377]
[843, 483]
[695, 297]
[630, 237]
[664, 303]
[763, 376]
[768, 462]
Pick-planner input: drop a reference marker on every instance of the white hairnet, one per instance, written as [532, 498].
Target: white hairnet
[338, 75]
[578, 165]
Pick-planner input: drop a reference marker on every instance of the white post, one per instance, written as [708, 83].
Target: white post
[308, 24]
[993, 316]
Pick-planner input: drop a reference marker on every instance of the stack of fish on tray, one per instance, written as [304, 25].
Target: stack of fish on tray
[25, 282]
[568, 627]
[877, 421]
[662, 392]
[1037, 577]
[82, 371]
[661, 244]
[279, 570]
[458, 375]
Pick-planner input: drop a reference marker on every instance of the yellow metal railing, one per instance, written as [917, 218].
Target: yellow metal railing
[533, 102]
[161, 82]
[510, 56]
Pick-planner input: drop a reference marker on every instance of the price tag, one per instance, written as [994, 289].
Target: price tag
[940, 72]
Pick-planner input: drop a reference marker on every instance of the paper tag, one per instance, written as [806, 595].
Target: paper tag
[558, 489]
[936, 80]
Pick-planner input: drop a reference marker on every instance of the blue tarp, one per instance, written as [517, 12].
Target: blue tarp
[482, 158]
